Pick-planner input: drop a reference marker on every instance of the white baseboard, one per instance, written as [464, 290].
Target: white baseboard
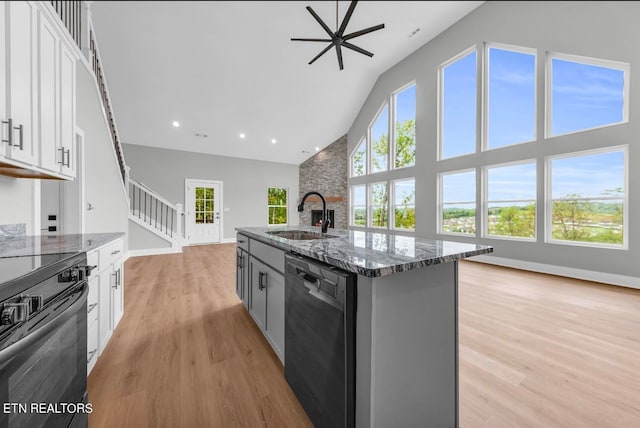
[152, 252]
[588, 275]
[228, 241]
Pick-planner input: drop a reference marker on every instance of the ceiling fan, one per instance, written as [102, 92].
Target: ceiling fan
[338, 38]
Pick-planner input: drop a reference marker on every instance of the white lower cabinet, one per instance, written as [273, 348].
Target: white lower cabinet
[108, 281]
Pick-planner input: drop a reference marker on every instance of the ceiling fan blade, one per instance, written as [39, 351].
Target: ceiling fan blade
[347, 17]
[339, 52]
[362, 32]
[311, 40]
[320, 21]
[357, 49]
[324, 51]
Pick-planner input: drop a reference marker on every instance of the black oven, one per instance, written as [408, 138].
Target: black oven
[43, 341]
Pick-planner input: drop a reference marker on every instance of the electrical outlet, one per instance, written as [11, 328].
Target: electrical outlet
[52, 228]
[52, 217]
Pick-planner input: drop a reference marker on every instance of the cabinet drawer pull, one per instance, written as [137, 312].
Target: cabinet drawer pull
[262, 284]
[9, 139]
[113, 253]
[91, 307]
[91, 355]
[21, 129]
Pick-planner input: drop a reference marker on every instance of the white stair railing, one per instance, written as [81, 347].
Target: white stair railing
[154, 213]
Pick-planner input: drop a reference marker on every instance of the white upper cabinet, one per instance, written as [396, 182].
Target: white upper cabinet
[19, 136]
[38, 85]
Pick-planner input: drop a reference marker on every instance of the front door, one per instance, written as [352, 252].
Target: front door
[202, 209]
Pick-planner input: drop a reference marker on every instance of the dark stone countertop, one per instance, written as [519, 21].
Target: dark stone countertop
[371, 254]
[36, 245]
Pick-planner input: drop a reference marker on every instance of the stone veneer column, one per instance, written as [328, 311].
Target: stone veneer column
[326, 173]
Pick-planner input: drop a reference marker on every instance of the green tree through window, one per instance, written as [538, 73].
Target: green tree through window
[277, 204]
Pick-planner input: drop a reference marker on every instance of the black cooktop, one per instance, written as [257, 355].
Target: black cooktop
[20, 273]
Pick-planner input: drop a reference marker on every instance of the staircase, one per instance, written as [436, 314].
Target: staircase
[156, 214]
[146, 208]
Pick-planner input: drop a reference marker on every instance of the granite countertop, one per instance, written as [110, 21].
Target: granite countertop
[36, 245]
[370, 254]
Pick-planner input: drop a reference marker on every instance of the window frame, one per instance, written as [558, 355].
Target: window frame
[376, 116]
[370, 205]
[286, 207]
[485, 201]
[366, 154]
[598, 62]
[440, 113]
[484, 113]
[392, 127]
[548, 198]
[352, 205]
[440, 204]
[392, 200]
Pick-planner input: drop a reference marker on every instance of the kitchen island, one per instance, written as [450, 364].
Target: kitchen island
[406, 321]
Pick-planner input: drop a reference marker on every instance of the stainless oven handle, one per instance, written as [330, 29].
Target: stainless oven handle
[10, 351]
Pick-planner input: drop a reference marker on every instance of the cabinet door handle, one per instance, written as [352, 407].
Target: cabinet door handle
[262, 284]
[91, 307]
[61, 162]
[240, 261]
[9, 139]
[91, 354]
[68, 163]
[21, 129]
[115, 280]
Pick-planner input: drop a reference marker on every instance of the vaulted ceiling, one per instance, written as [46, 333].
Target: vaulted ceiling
[225, 68]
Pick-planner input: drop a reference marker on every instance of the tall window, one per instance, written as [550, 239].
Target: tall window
[588, 195]
[277, 203]
[586, 93]
[404, 204]
[458, 106]
[511, 104]
[511, 200]
[404, 135]
[379, 204]
[458, 202]
[359, 159]
[359, 205]
[380, 141]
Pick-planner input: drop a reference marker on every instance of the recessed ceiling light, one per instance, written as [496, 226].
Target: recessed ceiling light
[242, 135]
[317, 149]
[175, 124]
[273, 141]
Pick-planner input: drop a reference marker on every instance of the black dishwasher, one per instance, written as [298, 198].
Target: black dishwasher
[319, 363]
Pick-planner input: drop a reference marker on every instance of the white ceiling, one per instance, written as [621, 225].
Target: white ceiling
[222, 68]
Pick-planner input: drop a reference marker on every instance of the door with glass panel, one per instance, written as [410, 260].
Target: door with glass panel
[203, 218]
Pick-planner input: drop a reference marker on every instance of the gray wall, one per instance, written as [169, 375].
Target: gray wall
[16, 199]
[604, 30]
[326, 173]
[245, 182]
[104, 189]
[142, 239]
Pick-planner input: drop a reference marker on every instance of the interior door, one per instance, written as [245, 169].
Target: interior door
[202, 206]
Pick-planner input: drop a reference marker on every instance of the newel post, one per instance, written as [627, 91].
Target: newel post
[178, 242]
[85, 27]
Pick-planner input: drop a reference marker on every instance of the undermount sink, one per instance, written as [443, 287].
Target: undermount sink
[300, 235]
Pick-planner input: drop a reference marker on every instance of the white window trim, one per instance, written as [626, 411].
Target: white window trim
[370, 205]
[485, 201]
[616, 65]
[548, 200]
[392, 199]
[392, 125]
[351, 205]
[370, 139]
[440, 203]
[440, 134]
[277, 206]
[485, 93]
[366, 160]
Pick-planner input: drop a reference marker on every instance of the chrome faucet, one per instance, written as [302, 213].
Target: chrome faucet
[325, 217]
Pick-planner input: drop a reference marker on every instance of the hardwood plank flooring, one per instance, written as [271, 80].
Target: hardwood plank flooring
[535, 351]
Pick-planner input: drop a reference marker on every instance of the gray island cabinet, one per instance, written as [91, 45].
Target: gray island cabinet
[406, 337]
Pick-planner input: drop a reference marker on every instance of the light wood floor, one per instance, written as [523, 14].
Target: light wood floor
[535, 351]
